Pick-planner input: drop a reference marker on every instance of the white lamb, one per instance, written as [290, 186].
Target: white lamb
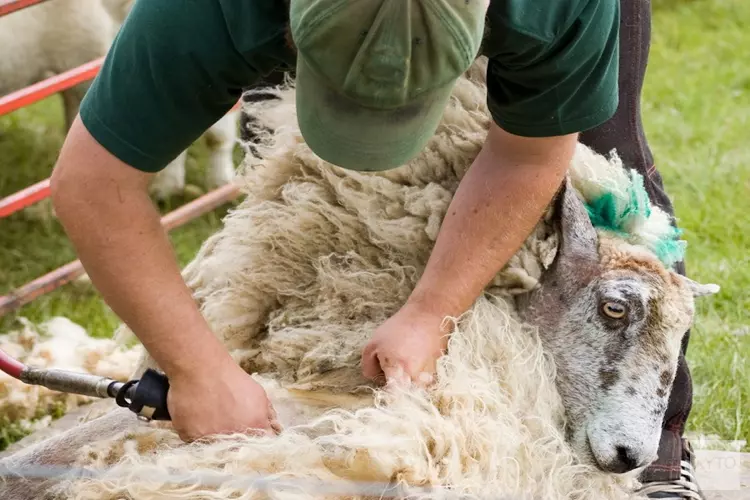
[544, 392]
[58, 35]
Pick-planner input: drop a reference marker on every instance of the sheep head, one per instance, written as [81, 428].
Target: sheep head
[613, 317]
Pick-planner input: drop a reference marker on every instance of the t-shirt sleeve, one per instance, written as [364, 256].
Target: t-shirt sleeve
[564, 84]
[171, 72]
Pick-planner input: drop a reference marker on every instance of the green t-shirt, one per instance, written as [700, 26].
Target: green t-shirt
[176, 67]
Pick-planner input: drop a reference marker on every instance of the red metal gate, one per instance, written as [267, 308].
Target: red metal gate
[39, 191]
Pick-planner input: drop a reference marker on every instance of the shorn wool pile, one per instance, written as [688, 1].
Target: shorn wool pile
[304, 270]
[57, 343]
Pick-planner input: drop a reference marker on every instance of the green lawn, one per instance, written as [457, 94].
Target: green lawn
[697, 114]
[33, 243]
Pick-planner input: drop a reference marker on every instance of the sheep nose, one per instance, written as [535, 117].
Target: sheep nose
[627, 459]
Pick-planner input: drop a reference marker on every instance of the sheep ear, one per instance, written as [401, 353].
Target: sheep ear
[579, 243]
[699, 289]
[576, 261]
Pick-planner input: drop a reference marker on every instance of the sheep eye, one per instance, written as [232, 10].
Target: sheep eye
[614, 310]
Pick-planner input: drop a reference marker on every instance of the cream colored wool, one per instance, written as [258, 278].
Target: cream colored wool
[57, 343]
[312, 261]
[592, 181]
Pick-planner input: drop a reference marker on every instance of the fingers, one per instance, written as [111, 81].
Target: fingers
[398, 376]
[402, 373]
[273, 419]
[425, 379]
[384, 370]
[395, 373]
[276, 427]
[387, 370]
[397, 370]
[427, 375]
[371, 368]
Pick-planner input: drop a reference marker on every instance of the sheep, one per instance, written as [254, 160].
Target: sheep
[545, 391]
[221, 139]
[43, 40]
[58, 35]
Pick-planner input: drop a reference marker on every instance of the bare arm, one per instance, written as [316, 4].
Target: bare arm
[497, 204]
[105, 209]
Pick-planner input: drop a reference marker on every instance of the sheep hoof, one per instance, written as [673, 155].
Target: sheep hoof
[83, 280]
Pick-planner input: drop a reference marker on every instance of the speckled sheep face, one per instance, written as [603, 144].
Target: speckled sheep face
[613, 318]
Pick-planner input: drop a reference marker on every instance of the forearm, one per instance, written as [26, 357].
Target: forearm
[117, 234]
[497, 204]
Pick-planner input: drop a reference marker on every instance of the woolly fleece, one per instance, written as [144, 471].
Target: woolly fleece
[57, 343]
[310, 263]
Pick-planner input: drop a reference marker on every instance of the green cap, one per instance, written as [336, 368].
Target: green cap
[374, 76]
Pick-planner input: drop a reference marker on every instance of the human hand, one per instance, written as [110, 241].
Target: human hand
[405, 348]
[219, 401]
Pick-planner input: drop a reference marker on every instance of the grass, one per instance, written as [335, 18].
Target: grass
[33, 243]
[696, 110]
[697, 113]
[12, 431]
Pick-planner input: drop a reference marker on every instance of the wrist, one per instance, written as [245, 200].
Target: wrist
[432, 309]
[436, 301]
[201, 356]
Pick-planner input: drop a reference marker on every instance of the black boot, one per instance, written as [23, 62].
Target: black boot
[685, 487]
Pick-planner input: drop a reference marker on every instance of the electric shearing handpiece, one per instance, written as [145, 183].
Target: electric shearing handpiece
[146, 397]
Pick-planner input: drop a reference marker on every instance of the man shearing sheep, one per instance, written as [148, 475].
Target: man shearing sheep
[372, 80]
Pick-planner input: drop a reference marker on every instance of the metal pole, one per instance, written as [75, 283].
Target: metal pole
[62, 275]
[8, 6]
[53, 85]
[34, 193]
[24, 198]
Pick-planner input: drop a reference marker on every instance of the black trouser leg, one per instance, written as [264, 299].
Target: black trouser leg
[624, 133]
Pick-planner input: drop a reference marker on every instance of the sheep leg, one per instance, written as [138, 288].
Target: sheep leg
[221, 139]
[171, 180]
[60, 451]
[72, 98]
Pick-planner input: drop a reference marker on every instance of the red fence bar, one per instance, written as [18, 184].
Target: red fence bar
[32, 94]
[65, 274]
[24, 198]
[200, 206]
[52, 85]
[8, 6]
[41, 190]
